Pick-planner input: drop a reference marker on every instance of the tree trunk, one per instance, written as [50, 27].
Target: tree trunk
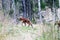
[16, 10]
[40, 16]
[24, 7]
[55, 10]
[6, 6]
[0, 4]
[29, 9]
[59, 3]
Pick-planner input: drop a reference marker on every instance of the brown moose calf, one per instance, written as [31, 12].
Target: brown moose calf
[25, 20]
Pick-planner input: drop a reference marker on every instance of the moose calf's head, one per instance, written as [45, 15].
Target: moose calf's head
[20, 19]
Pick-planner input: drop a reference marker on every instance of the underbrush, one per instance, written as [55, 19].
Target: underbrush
[49, 32]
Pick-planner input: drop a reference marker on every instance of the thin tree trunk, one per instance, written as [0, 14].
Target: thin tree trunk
[59, 3]
[29, 9]
[24, 7]
[0, 4]
[39, 5]
[6, 6]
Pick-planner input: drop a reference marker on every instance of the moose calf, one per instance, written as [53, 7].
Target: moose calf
[25, 20]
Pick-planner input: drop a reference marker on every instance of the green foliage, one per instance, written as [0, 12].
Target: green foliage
[43, 5]
[1, 26]
[47, 35]
[11, 11]
[50, 3]
[25, 28]
[21, 9]
[57, 3]
[33, 21]
[16, 1]
[35, 9]
[37, 38]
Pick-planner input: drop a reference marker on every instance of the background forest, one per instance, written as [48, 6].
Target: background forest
[42, 13]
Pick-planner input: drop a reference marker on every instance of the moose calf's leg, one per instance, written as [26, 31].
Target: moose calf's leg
[30, 25]
[25, 24]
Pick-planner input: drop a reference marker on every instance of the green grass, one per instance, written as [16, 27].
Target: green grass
[1, 27]
[48, 35]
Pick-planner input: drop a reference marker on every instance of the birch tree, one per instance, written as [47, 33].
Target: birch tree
[39, 8]
[59, 3]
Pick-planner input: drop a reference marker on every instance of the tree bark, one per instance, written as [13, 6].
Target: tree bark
[39, 8]
[6, 6]
[24, 7]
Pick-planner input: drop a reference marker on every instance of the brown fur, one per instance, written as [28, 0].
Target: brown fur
[25, 20]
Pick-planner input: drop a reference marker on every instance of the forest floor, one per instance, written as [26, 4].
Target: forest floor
[11, 31]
